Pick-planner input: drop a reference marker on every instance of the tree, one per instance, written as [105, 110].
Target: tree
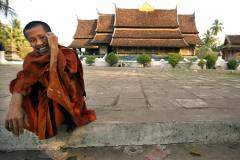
[144, 59]
[174, 58]
[211, 60]
[5, 9]
[202, 63]
[12, 36]
[232, 64]
[216, 27]
[90, 60]
[17, 34]
[208, 39]
[112, 59]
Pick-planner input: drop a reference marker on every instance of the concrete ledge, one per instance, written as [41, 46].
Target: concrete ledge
[114, 134]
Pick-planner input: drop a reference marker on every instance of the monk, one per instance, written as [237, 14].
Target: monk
[49, 91]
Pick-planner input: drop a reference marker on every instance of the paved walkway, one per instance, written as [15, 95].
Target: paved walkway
[175, 102]
[120, 93]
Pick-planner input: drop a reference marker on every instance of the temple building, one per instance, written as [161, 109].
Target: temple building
[136, 31]
[189, 32]
[104, 32]
[231, 49]
[83, 36]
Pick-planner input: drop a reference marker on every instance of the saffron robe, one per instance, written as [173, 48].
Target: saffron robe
[55, 97]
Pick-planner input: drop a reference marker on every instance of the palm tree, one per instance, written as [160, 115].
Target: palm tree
[13, 34]
[12, 38]
[17, 34]
[208, 39]
[216, 27]
[6, 9]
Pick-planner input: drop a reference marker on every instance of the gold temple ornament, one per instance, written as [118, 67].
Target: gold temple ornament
[146, 7]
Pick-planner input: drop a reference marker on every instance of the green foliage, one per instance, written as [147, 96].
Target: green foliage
[2, 33]
[202, 51]
[144, 59]
[5, 9]
[174, 58]
[90, 60]
[232, 64]
[211, 60]
[111, 59]
[217, 27]
[12, 36]
[202, 63]
[24, 50]
[210, 41]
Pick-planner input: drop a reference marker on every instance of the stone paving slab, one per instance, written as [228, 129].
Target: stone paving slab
[153, 103]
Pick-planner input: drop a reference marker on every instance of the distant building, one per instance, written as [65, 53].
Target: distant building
[136, 31]
[84, 34]
[104, 33]
[231, 49]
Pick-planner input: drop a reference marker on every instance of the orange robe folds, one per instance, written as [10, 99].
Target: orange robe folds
[55, 97]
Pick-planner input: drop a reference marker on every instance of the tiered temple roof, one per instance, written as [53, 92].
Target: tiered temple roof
[84, 34]
[136, 28]
[232, 42]
[138, 19]
[231, 49]
[158, 28]
[189, 29]
[104, 29]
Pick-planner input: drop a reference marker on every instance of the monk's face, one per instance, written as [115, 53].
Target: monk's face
[37, 38]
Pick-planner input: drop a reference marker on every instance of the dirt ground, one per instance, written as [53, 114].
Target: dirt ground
[190, 151]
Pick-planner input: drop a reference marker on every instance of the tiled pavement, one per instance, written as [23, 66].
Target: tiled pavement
[150, 95]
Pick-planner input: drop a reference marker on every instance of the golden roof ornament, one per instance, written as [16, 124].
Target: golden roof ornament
[146, 7]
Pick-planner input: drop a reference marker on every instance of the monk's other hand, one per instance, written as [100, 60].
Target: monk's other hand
[15, 120]
[16, 117]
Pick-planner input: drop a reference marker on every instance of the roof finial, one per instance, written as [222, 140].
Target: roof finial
[178, 4]
[98, 12]
[146, 7]
[115, 5]
[76, 16]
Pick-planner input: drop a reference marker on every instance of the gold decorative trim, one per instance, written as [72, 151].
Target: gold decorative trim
[146, 7]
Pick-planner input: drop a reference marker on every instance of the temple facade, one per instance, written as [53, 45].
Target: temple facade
[138, 31]
[83, 36]
[231, 49]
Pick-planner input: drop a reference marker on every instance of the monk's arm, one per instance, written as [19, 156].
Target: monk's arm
[16, 116]
[53, 46]
[53, 57]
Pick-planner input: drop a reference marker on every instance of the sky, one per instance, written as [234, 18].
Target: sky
[62, 15]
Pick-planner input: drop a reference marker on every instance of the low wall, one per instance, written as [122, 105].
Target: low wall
[4, 61]
[185, 64]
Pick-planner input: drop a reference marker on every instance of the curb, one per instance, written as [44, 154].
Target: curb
[115, 134]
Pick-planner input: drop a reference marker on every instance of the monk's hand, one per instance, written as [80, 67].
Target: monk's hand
[52, 40]
[16, 117]
[53, 45]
